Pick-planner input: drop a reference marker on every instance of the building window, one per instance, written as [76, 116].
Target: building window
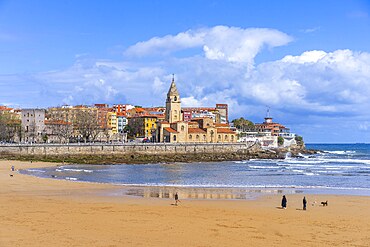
[226, 137]
[204, 138]
[182, 128]
[197, 137]
[219, 137]
[232, 138]
[174, 137]
[190, 137]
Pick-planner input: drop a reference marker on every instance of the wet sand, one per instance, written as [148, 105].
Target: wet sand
[50, 212]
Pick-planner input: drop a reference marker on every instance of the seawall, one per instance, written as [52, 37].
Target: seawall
[135, 152]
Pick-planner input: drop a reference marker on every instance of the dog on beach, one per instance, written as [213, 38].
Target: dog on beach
[324, 203]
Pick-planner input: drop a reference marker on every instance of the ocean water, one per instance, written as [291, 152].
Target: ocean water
[338, 169]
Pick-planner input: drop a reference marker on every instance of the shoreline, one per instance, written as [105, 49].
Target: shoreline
[50, 212]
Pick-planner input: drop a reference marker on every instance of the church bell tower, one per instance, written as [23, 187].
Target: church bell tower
[173, 104]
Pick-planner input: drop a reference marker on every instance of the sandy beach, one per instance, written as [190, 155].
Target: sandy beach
[50, 212]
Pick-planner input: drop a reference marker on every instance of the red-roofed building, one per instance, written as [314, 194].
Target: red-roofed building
[269, 126]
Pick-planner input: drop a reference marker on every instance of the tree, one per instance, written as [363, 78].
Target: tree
[299, 139]
[243, 124]
[135, 127]
[9, 128]
[132, 128]
[61, 129]
[86, 124]
[280, 141]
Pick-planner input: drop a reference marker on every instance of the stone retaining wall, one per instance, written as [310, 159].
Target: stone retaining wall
[104, 149]
[133, 152]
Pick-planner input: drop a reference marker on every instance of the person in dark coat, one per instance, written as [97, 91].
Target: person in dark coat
[304, 203]
[283, 202]
[176, 199]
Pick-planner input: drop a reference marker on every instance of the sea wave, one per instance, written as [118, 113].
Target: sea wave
[35, 170]
[264, 167]
[341, 152]
[73, 170]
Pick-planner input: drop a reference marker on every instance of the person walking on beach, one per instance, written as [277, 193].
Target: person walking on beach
[176, 199]
[304, 203]
[283, 202]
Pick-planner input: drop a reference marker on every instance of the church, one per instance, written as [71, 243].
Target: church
[203, 130]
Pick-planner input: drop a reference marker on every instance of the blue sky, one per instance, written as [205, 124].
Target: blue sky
[309, 61]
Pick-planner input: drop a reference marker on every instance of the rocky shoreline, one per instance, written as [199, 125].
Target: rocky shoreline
[255, 152]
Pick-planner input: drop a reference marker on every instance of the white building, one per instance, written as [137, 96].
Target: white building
[33, 124]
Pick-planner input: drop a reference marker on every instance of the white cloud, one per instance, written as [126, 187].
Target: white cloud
[191, 102]
[230, 44]
[315, 81]
[306, 57]
[167, 44]
[240, 45]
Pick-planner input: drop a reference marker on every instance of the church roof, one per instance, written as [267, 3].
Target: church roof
[222, 125]
[173, 89]
[225, 131]
[170, 130]
[196, 130]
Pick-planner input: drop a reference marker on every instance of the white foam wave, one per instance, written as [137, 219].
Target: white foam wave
[299, 171]
[311, 161]
[341, 152]
[71, 178]
[310, 174]
[299, 165]
[73, 170]
[35, 170]
[329, 172]
[241, 161]
[357, 161]
[318, 161]
[264, 167]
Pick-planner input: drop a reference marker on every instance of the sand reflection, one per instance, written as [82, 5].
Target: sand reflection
[205, 193]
